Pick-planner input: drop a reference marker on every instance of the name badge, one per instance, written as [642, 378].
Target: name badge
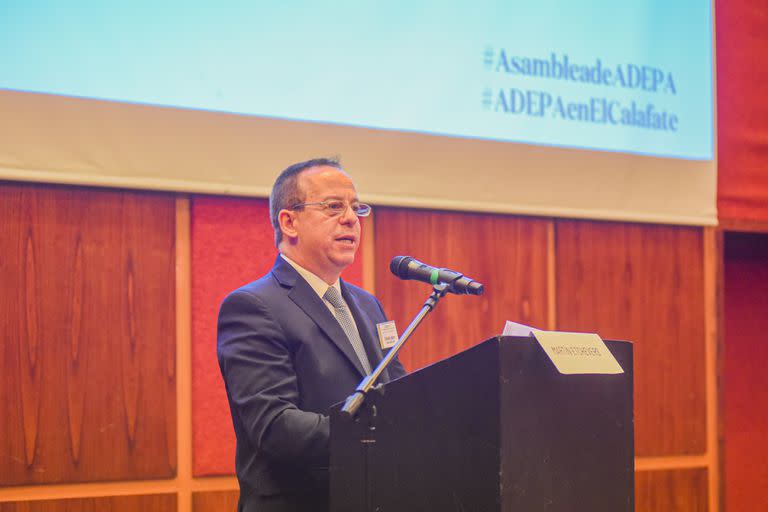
[387, 334]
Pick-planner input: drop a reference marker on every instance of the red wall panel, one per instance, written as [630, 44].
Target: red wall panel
[232, 244]
[742, 109]
[745, 379]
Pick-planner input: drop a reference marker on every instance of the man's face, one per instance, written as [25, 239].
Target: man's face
[324, 244]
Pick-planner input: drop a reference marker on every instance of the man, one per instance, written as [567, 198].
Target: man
[298, 340]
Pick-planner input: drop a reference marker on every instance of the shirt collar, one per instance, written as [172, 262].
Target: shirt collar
[313, 280]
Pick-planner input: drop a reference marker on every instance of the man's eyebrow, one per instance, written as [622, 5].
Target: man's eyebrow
[339, 198]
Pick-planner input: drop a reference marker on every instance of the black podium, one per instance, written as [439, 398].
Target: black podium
[494, 428]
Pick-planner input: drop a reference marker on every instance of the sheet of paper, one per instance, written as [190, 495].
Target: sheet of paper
[515, 329]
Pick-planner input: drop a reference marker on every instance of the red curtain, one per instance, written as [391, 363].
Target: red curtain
[742, 109]
[745, 391]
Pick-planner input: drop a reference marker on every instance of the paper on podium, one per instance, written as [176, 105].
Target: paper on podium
[572, 353]
[515, 329]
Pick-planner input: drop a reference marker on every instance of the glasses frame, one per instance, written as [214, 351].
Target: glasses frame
[327, 209]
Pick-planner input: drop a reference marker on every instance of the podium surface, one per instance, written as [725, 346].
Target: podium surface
[494, 428]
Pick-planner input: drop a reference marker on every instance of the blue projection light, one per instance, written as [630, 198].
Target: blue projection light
[632, 76]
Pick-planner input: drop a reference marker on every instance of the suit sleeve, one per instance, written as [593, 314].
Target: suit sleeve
[258, 371]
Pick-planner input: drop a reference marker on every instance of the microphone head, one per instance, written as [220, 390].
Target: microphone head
[399, 266]
[467, 286]
[475, 288]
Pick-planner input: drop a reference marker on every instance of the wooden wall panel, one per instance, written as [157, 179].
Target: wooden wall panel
[144, 503]
[679, 490]
[508, 254]
[87, 305]
[215, 501]
[643, 283]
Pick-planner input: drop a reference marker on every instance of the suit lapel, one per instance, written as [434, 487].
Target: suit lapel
[366, 329]
[307, 299]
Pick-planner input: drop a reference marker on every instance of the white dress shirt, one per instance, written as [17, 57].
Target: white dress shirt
[320, 287]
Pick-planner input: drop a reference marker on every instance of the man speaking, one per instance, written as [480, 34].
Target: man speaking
[298, 340]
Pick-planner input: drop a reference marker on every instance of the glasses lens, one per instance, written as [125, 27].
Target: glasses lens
[362, 210]
[335, 207]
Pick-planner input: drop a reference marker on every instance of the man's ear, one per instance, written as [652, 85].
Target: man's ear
[287, 220]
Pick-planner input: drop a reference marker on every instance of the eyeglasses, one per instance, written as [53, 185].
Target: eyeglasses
[334, 207]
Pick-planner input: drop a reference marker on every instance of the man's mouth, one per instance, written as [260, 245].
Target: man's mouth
[348, 239]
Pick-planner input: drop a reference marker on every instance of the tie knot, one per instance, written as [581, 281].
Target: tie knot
[333, 296]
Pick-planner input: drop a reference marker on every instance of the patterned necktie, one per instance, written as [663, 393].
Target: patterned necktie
[348, 324]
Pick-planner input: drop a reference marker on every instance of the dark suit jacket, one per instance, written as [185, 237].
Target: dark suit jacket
[285, 360]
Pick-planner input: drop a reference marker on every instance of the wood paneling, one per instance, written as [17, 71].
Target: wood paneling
[507, 254]
[643, 283]
[87, 319]
[146, 503]
[215, 501]
[87, 390]
[680, 490]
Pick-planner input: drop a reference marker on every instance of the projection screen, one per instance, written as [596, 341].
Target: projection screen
[571, 109]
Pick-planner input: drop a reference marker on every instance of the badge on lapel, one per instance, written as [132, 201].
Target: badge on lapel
[387, 334]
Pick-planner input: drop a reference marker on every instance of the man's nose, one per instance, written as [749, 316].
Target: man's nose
[349, 216]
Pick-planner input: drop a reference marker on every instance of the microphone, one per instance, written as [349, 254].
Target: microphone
[406, 267]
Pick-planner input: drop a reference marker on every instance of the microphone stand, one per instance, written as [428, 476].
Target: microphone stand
[355, 400]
